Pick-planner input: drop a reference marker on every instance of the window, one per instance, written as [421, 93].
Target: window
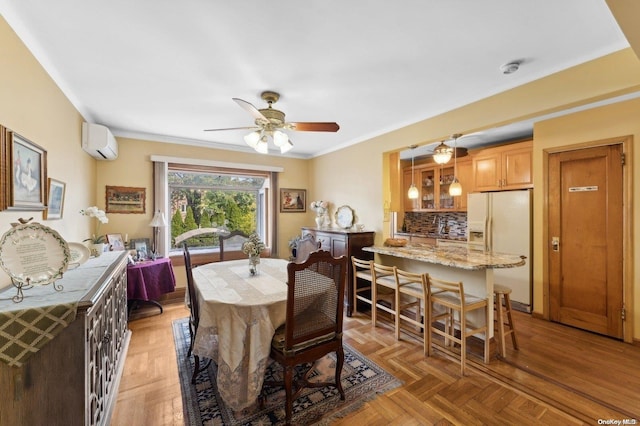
[214, 197]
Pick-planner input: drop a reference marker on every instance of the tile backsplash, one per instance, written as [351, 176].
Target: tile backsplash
[453, 224]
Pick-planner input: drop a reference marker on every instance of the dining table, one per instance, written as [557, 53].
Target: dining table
[239, 313]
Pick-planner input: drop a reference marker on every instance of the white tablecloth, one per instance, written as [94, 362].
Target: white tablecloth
[239, 314]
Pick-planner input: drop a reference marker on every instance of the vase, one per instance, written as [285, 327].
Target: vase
[253, 264]
[319, 221]
[96, 249]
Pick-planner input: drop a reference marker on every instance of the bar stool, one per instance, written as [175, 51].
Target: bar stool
[362, 272]
[450, 296]
[501, 292]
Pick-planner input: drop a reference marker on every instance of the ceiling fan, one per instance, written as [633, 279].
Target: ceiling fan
[270, 122]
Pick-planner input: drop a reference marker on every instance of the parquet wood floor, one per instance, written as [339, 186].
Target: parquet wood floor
[560, 376]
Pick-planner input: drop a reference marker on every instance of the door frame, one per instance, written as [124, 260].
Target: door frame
[627, 223]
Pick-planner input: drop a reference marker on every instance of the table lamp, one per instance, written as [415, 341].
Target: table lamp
[157, 222]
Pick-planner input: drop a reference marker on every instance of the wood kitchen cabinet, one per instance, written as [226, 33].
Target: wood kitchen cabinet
[340, 242]
[433, 184]
[504, 167]
[465, 177]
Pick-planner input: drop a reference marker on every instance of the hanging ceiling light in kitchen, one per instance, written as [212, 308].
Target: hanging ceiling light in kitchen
[413, 191]
[442, 153]
[455, 189]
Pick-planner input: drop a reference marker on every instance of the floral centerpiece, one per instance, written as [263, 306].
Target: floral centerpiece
[321, 208]
[252, 248]
[97, 238]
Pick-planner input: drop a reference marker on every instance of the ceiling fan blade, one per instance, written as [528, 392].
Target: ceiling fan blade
[250, 109]
[314, 127]
[233, 128]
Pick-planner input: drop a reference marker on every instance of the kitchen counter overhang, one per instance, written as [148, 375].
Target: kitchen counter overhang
[455, 257]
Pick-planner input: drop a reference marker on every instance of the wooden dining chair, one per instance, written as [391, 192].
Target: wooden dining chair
[313, 326]
[306, 245]
[232, 242]
[456, 305]
[194, 310]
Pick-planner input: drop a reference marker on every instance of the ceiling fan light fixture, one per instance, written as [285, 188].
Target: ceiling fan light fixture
[262, 147]
[252, 139]
[286, 147]
[270, 121]
[280, 138]
[442, 153]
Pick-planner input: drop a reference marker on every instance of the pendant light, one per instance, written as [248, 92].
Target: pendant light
[413, 191]
[455, 189]
[442, 153]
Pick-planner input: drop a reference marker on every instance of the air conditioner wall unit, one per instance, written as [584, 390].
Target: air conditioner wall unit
[99, 142]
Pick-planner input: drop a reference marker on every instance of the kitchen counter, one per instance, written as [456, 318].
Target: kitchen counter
[474, 268]
[456, 257]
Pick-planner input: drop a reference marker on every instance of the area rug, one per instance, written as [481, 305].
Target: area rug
[362, 380]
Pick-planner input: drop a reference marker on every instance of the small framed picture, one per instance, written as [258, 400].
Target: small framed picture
[293, 200]
[55, 200]
[123, 199]
[115, 242]
[141, 246]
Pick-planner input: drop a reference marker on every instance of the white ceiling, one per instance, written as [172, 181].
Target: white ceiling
[166, 71]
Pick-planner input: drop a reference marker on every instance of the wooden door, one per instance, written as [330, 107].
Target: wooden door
[585, 239]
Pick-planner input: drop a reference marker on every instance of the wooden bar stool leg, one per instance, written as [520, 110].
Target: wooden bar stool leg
[503, 293]
[512, 330]
[500, 322]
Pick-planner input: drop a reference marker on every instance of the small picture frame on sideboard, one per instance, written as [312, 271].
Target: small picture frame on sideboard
[141, 246]
[116, 243]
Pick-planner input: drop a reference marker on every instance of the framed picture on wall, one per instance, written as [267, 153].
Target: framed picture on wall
[28, 178]
[123, 199]
[55, 200]
[293, 200]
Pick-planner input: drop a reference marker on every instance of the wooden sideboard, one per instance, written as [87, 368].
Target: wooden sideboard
[73, 379]
[341, 242]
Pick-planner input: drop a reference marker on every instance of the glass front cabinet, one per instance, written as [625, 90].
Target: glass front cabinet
[433, 182]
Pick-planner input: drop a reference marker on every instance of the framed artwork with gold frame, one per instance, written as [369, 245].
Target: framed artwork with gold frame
[124, 199]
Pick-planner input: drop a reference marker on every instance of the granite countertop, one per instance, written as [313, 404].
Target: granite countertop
[456, 257]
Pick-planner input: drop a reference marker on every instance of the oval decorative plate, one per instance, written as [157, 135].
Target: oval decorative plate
[79, 253]
[344, 217]
[33, 254]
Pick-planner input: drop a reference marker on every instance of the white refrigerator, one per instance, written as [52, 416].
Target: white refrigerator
[501, 222]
